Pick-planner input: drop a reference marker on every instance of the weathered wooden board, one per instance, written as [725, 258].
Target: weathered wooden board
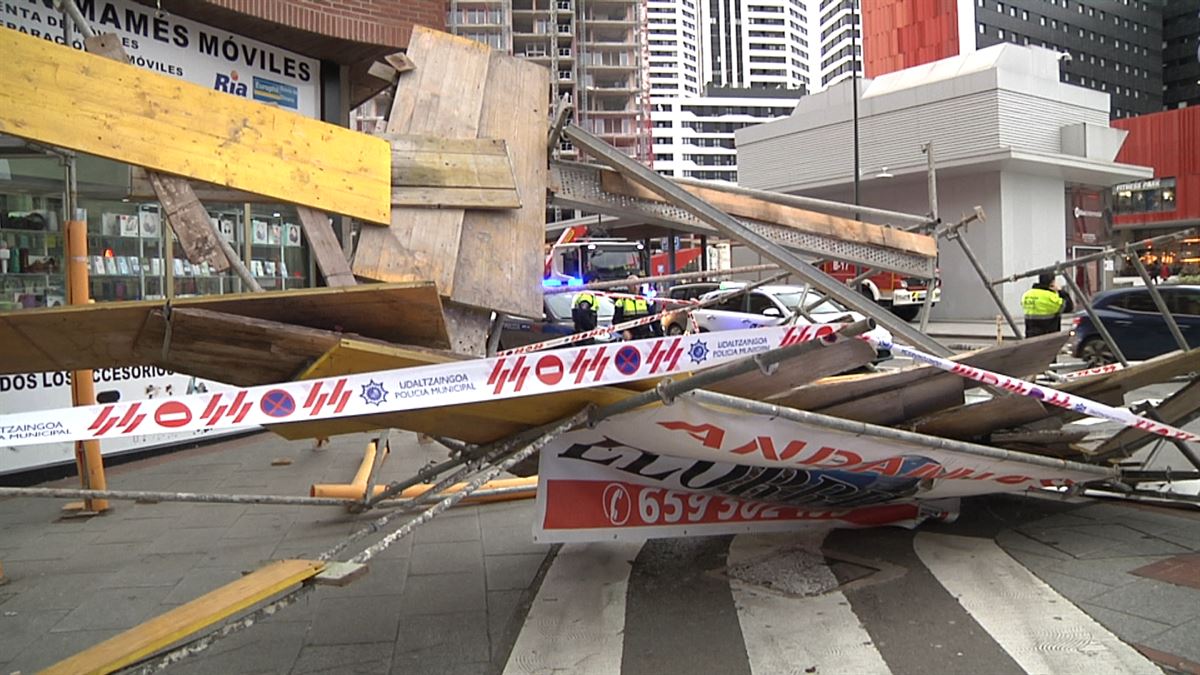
[92, 104]
[980, 419]
[893, 407]
[185, 620]
[103, 335]
[443, 97]
[502, 250]
[325, 247]
[188, 220]
[837, 358]
[1011, 358]
[1177, 410]
[790, 216]
[236, 350]
[452, 172]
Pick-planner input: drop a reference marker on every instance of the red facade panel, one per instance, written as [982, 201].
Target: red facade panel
[899, 34]
[1169, 141]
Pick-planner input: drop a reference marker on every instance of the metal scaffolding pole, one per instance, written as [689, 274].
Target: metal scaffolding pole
[953, 233]
[1100, 327]
[730, 227]
[927, 306]
[1131, 247]
[1159, 302]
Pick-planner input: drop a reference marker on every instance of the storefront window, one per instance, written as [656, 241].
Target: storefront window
[131, 255]
[1145, 196]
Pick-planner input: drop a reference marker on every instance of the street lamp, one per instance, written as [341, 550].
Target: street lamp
[854, 94]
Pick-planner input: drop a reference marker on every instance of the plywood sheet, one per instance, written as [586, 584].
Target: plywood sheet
[502, 250]
[1178, 409]
[789, 216]
[980, 419]
[442, 96]
[92, 104]
[100, 335]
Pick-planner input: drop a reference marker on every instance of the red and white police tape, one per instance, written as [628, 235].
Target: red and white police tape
[1042, 393]
[402, 388]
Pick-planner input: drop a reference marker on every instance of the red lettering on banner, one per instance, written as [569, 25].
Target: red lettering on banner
[766, 445]
[318, 398]
[1013, 480]
[105, 421]
[842, 458]
[502, 374]
[797, 334]
[172, 414]
[586, 361]
[710, 436]
[549, 370]
[883, 467]
[235, 409]
[664, 359]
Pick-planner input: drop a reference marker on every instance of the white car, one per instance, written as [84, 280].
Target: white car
[770, 306]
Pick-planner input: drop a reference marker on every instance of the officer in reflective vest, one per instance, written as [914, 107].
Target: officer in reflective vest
[583, 313]
[1043, 306]
[636, 307]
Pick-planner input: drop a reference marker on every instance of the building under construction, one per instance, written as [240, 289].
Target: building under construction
[594, 50]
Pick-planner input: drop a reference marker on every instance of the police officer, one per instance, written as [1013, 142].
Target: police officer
[636, 307]
[1044, 305]
[583, 313]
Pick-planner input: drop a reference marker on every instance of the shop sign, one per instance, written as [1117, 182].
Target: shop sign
[184, 49]
[1151, 184]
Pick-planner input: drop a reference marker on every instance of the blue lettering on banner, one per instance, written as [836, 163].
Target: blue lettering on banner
[229, 84]
[270, 91]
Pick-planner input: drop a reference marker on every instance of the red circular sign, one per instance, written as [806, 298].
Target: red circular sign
[549, 370]
[172, 414]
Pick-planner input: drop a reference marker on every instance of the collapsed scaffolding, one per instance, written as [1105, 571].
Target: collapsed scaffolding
[507, 201]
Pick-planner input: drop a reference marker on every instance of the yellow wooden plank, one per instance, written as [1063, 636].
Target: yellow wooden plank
[59, 96]
[790, 216]
[165, 629]
[427, 161]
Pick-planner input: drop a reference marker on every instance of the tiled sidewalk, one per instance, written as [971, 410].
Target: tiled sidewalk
[442, 598]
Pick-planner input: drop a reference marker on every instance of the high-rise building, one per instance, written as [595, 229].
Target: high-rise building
[676, 56]
[1181, 53]
[757, 44]
[840, 41]
[1115, 46]
[596, 51]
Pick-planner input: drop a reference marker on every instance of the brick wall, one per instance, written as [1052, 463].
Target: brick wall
[380, 22]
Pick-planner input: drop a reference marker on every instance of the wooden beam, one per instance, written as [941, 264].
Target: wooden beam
[790, 216]
[237, 350]
[92, 104]
[190, 618]
[326, 250]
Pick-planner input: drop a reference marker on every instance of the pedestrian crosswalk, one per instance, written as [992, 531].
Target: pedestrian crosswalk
[965, 605]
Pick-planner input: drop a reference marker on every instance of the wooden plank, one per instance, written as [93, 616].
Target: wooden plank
[92, 104]
[977, 420]
[189, 221]
[890, 408]
[326, 250]
[833, 359]
[443, 96]
[103, 335]
[427, 161]
[1177, 410]
[236, 350]
[1011, 358]
[455, 198]
[790, 216]
[980, 419]
[187, 619]
[509, 243]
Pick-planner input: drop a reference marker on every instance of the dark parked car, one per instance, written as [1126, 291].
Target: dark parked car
[1135, 323]
[556, 322]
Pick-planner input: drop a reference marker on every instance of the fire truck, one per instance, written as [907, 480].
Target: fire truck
[576, 259]
[903, 295]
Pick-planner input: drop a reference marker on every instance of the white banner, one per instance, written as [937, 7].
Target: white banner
[403, 388]
[184, 49]
[688, 469]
